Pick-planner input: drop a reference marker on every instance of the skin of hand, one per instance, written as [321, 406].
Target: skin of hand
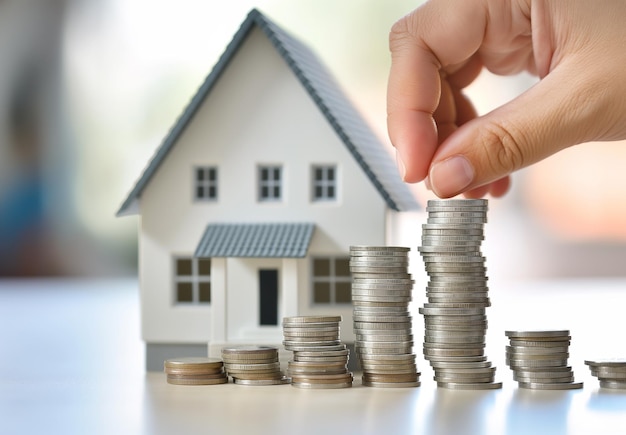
[576, 47]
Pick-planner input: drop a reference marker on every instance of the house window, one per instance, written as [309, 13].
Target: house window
[205, 183]
[270, 183]
[192, 280]
[324, 183]
[331, 280]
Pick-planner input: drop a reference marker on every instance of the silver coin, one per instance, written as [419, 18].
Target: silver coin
[466, 371]
[454, 365]
[452, 227]
[458, 259]
[450, 304]
[470, 386]
[464, 208]
[404, 299]
[282, 381]
[384, 267]
[256, 350]
[538, 380]
[613, 385]
[610, 376]
[374, 304]
[333, 353]
[452, 311]
[459, 220]
[402, 310]
[376, 275]
[460, 231]
[381, 318]
[457, 213]
[464, 379]
[390, 384]
[383, 281]
[523, 351]
[375, 351]
[381, 292]
[445, 248]
[535, 363]
[480, 339]
[385, 337]
[544, 343]
[452, 346]
[307, 348]
[452, 352]
[379, 258]
[455, 319]
[537, 335]
[310, 319]
[458, 203]
[390, 287]
[550, 386]
[379, 248]
[607, 362]
[382, 326]
[305, 385]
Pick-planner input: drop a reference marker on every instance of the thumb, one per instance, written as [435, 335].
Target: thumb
[557, 112]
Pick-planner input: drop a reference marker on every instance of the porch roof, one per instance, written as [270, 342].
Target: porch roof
[259, 240]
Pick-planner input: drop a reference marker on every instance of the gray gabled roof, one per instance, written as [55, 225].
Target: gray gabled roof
[275, 240]
[357, 136]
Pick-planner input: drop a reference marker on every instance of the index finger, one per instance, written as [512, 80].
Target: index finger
[438, 34]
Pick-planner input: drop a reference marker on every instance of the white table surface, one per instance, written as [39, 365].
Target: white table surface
[71, 362]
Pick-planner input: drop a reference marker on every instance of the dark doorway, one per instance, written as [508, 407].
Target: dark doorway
[268, 295]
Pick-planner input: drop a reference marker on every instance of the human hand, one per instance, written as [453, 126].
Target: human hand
[578, 50]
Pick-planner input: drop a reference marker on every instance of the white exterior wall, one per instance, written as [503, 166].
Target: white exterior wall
[258, 113]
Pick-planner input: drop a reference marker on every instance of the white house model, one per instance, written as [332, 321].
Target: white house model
[249, 206]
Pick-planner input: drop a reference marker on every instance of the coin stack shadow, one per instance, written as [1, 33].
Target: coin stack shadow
[381, 293]
[253, 365]
[610, 372]
[539, 360]
[455, 315]
[320, 360]
[195, 371]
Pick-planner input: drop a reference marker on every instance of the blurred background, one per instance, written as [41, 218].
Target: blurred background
[88, 88]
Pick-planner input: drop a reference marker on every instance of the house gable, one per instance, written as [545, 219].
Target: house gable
[357, 137]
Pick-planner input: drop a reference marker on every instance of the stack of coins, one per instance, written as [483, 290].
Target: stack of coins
[320, 360]
[381, 293]
[195, 371]
[539, 360]
[454, 316]
[610, 372]
[253, 365]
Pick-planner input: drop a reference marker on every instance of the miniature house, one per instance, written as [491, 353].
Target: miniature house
[249, 206]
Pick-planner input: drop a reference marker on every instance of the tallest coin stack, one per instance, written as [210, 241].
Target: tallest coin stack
[455, 318]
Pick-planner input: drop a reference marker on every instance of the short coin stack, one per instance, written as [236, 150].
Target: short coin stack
[195, 371]
[539, 360]
[455, 314]
[610, 372]
[381, 293]
[320, 360]
[253, 365]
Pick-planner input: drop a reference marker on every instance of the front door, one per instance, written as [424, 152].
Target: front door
[268, 296]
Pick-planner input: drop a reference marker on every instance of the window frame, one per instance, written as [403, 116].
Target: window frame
[332, 279]
[195, 279]
[271, 183]
[325, 183]
[207, 183]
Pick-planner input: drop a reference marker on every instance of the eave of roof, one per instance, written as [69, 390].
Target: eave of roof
[257, 240]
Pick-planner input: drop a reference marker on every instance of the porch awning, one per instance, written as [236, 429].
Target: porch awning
[259, 240]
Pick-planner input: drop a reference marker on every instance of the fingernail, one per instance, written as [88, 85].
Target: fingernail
[451, 176]
[400, 165]
[427, 183]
